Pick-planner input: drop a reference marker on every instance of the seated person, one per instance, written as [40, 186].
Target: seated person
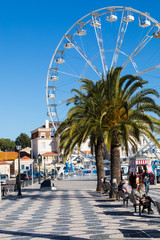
[126, 188]
[145, 201]
[106, 185]
[102, 184]
[120, 185]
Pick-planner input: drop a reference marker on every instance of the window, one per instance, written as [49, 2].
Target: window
[52, 135]
[22, 166]
[43, 135]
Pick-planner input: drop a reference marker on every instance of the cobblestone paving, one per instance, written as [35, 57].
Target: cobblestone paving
[74, 212]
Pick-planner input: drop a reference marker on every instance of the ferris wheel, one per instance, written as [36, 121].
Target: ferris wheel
[107, 37]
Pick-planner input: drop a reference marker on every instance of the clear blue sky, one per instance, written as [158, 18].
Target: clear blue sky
[29, 34]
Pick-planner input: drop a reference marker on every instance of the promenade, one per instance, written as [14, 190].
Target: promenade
[74, 212]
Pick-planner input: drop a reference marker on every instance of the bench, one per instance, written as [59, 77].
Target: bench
[120, 194]
[125, 199]
[136, 204]
[115, 191]
[157, 205]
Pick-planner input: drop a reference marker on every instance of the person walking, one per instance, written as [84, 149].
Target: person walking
[146, 181]
[132, 179]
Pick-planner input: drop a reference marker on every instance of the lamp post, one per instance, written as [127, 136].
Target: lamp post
[44, 159]
[18, 147]
[0, 189]
[39, 162]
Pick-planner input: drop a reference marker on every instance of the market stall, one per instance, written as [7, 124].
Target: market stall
[139, 164]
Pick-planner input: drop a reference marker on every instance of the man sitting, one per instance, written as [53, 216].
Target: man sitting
[145, 201]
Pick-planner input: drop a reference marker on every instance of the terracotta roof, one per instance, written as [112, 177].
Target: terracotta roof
[8, 155]
[26, 158]
[49, 153]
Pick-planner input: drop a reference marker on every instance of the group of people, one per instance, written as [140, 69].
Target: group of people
[140, 191]
[139, 194]
[144, 180]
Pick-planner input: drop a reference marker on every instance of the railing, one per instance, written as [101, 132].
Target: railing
[7, 189]
[80, 175]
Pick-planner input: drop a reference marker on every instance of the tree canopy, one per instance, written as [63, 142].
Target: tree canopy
[24, 139]
[7, 144]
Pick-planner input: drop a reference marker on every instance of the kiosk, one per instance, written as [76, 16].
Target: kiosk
[138, 164]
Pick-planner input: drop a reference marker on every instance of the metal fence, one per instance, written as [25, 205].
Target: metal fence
[7, 189]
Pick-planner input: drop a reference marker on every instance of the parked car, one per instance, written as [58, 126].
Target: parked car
[4, 178]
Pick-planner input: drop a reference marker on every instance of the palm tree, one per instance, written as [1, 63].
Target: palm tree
[125, 116]
[112, 110]
[83, 121]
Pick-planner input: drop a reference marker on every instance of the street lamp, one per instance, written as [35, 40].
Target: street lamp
[18, 147]
[39, 162]
[0, 189]
[44, 159]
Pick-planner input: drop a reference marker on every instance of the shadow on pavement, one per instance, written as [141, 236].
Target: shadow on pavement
[108, 206]
[38, 235]
[136, 233]
[118, 213]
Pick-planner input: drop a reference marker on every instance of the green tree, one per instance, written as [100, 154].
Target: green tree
[83, 121]
[7, 144]
[24, 139]
[127, 114]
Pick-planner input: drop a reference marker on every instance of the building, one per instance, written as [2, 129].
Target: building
[50, 161]
[43, 140]
[25, 164]
[10, 160]
[9, 157]
[4, 167]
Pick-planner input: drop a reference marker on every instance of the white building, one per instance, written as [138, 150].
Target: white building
[43, 140]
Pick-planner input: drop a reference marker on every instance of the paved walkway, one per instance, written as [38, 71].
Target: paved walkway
[76, 212]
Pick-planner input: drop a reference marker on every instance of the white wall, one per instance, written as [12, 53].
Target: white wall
[5, 169]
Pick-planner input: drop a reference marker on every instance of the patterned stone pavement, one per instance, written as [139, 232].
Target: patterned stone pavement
[74, 212]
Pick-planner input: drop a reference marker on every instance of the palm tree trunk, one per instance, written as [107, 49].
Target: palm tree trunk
[115, 161]
[99, 162]
[115, 164]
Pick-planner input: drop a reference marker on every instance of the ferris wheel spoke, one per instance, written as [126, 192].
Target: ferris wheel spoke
[121, 33]
[148, 70]
[70, 74]
[98, 33]
[139, 47]
[62, 101]
[79, 50]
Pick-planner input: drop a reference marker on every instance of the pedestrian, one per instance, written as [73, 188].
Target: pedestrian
[146, 181]
[122, 173]
[132, 179]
